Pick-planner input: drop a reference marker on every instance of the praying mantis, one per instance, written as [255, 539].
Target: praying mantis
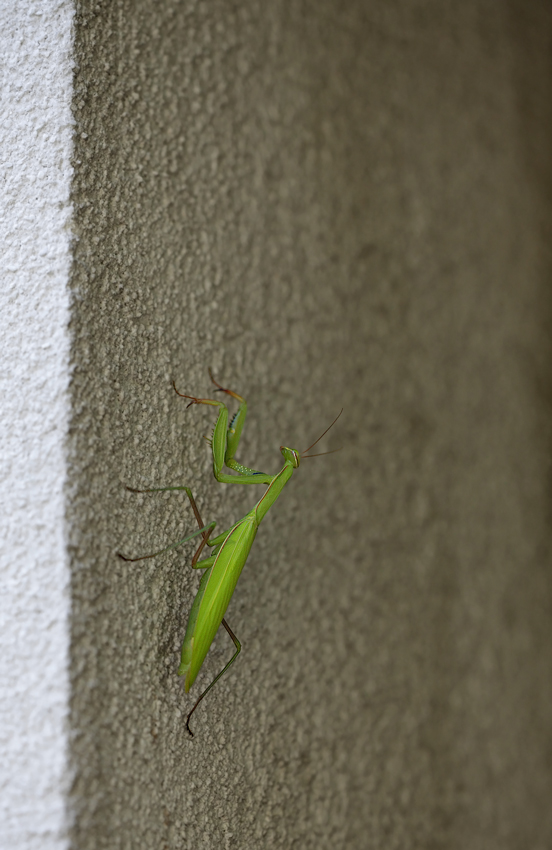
[231, 548]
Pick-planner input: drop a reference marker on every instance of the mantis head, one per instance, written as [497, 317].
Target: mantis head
[291, 455]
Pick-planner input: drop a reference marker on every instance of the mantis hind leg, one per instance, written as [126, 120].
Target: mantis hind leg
[237, 644]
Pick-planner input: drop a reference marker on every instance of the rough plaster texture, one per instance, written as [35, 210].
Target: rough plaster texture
[35, 148]
[331, 204]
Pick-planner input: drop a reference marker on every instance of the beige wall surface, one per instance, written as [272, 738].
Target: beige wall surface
[332, 204]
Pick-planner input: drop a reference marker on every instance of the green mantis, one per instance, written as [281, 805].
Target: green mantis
[231, 548]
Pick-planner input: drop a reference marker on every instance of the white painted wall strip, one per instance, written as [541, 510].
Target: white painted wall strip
[35, 151]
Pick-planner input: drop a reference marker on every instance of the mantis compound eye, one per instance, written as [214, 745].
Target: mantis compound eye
[291, 455]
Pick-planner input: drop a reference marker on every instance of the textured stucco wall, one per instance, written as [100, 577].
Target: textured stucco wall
[331, 204]
[35, 152]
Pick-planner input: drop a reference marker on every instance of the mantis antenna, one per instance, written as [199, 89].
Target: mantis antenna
[305, 455]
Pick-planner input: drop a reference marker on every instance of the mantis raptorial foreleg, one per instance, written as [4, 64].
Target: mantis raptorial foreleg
[226, 437]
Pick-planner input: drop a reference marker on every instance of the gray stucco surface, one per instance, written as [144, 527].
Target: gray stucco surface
[332, 205]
